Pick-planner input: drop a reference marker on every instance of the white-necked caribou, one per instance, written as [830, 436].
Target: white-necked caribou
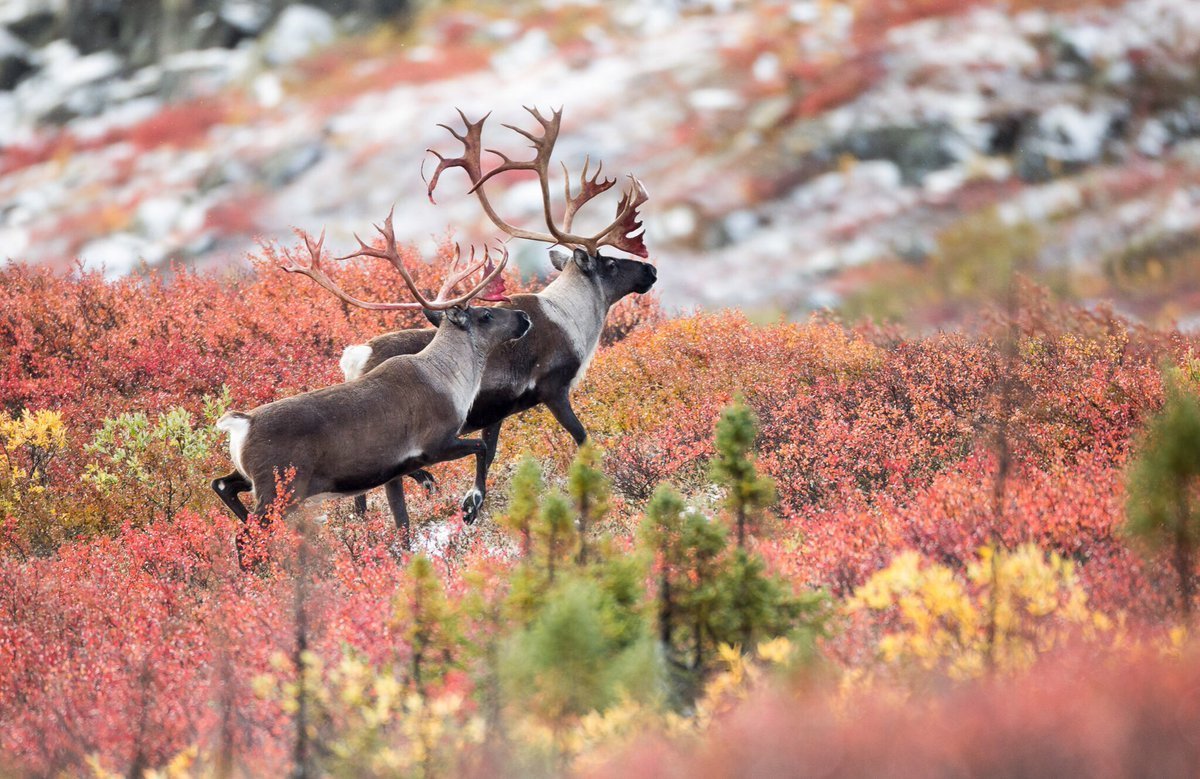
[568, 315]
[406, 414]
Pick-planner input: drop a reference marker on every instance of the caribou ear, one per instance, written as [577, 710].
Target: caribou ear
[458, 316]
[584, 260]
[558, 258]
[434, 317]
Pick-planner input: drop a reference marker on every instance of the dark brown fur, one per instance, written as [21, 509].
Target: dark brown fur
[367, 432]
[542, 367]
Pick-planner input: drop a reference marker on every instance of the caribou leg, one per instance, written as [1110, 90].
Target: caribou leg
[228, 488]
[560, 407]
[395, 498]
[420, 476]
[473, 501]
[424, 478]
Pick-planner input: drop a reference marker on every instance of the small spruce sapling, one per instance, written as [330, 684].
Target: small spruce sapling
[708, 593]
[523, 497]
[577, 656]
[662, 536]
[748, 494]
[555, 532]
[590, 491]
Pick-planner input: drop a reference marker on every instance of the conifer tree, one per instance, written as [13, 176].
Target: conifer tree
[748, 494]
[589, 489]
[577, 657]
[708, 593]
[523, 497]
[1163, 479]
[555, 531]
[662, 535]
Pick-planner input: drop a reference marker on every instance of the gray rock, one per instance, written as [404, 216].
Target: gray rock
[1063, 139]
[16, 61]
[287, 165]
[299, 31]
[915, 150]
[36, 28]
[158, 216]
[248, 16]
[223, 172]
[118, 254]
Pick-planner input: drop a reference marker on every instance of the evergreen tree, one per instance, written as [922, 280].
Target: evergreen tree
[555, 532]
[748, 494]
[710, 594]
[523, 497]
[1162, 504]
[589, 489]
[662, 535]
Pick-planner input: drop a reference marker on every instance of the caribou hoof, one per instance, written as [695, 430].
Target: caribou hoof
[425, 479]
[471, 504]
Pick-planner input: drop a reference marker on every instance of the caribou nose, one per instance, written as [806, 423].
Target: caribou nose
[650, 276]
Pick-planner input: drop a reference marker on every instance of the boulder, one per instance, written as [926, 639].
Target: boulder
[15, 60]
[916, 151]
[157, 216]
[285, 166]
[36, 28]
[298, 32]
[248, 16]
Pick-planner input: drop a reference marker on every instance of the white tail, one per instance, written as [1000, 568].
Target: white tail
[237, 425]
[354, 359]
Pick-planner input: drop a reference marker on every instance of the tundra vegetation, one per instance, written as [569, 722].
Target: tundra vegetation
[831, 547]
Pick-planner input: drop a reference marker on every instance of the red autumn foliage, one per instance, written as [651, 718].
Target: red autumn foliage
[180, 124]
[1077, 716]
[132, 644]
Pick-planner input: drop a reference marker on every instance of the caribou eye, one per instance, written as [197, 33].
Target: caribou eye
[486, 316]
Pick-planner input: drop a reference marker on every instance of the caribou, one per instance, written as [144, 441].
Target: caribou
[568, 314]
[365, 433]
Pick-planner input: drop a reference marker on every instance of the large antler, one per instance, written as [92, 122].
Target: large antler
[623, 233]
[491, 287]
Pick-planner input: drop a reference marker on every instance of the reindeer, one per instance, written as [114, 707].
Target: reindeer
[365, 433]
[568, 314]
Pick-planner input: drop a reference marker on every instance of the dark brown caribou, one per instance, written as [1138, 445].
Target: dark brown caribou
[568, 315]
[365, 433]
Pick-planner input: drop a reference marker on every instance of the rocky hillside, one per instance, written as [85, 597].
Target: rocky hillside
[798, 154]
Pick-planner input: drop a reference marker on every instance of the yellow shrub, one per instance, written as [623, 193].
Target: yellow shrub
[1010, 607]
[28, 444]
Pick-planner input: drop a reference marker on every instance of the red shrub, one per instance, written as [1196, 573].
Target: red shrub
[1076, 716]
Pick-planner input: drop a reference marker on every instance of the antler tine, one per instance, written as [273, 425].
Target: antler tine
[457, 276]
[623, 233]
[313, 270]
[626, 232]
[494, 291]
[391, 254]
[588, 189]
[475, 291]
[543, 147]
[469, 161]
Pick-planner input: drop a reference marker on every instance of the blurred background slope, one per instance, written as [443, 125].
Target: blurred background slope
[892, 158]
